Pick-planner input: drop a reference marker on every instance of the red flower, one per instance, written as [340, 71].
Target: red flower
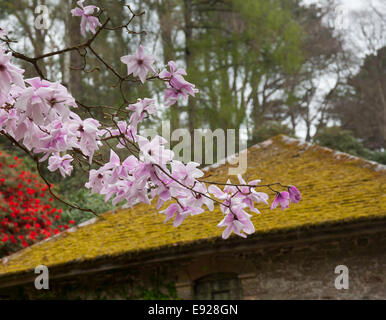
[26, 212]
[31, 191]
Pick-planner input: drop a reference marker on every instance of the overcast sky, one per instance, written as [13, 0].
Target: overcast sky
[350, 4]
[346, 8]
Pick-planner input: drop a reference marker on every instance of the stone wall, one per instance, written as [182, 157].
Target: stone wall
[304, 271]
[291, 270]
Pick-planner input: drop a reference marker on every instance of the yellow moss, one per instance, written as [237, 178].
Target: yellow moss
[334, 188]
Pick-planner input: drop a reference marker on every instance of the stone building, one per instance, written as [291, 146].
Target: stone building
[294, 254]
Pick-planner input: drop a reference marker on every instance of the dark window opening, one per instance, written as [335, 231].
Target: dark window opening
[219, 286]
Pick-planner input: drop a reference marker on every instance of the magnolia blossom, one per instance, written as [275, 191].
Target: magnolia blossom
[180, 212]
[95, 182]
[139, 64]
[249, 196]
[200, 197]
[234, 202]
[123, 128]
[44, 101]
[178, 86]
[56, 162]
[89, 135]
[53, 142]
[186, 173]
[173, 73]
[154, 151]
[88, 22]
[9, 74]
[236, 224]
[294, 194]
[141, 108]
[281, 198]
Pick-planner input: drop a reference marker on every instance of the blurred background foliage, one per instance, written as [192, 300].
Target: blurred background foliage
[269, 66]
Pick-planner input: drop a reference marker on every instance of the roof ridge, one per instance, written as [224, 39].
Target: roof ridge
[376, 166]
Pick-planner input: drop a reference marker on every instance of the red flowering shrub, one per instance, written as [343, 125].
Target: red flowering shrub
[27, 214]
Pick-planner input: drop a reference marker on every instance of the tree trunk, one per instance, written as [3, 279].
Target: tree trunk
[188, 30]
[76, 60]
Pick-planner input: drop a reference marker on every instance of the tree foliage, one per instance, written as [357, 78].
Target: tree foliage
[360, 105]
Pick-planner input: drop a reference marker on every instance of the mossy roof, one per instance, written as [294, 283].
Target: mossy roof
[335, 187]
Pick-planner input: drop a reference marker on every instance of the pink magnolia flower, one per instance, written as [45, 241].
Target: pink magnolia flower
[45, 101]
[188, 173]
[139, 64]
[184, 89]
[3, 118]
[88, 22]
[174, 72]
[199, 199]
[294, 194]
[56, 162]
[224, 195]
[237, 222]
[96, 181]
[123, 128]
[154, 151]
[89, 136]
[232, 225]
[141, 108]
[249, 196]
[8, 74]
[180, 212]
[130, 163]
[178, 85]
[137, 191]
[114, 170]
[217, 192]
[10, 121]
[32, 135]
[145, 170]
[57, 95]
[281, 198]
[55, 141]
[163, 194]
